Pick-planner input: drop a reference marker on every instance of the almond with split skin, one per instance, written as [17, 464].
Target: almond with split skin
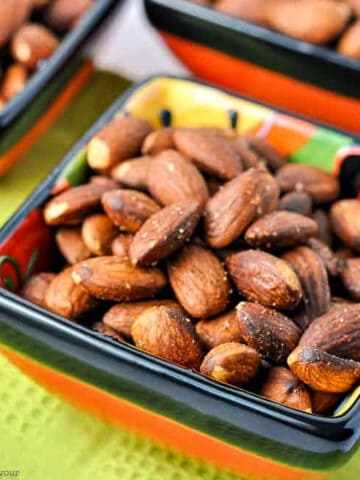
[98, 232]
[199, 281]
[321, 186]
[283, 387]
[116, 279]
[269, 332]
[118, 140]
[280, 230]
[128, 209]
[218, 330]
[265, 279]
[345, 222]
[173, 178]
[35, 288]
[165, 232]
[232, 363]
[167, 333]
[74, 205]
[132, 173]
[71, 245]
[211, 153]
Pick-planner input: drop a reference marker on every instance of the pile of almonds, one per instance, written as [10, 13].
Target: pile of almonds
[316, 21]
[209, 250]
[29, 34]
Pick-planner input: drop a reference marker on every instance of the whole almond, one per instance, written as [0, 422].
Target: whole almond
[272, 159]
[66, 298]
[230, 211]
[324, 227]
[64, 14]
[165, 232]
[297, 202]
[100, 327]
[116, 279]
[329, 259]
[35, 288]
[222, 329]
[232, 363]
[158, 141]
[172, 178]
[265, 279]
[199, 281]
[350, 276]
[14, 81]
[312, 274]
[283, 387]
[168, 334]
[252, 11]
[269, 332]
[323, 403]
[345, 222]
[349, 44]
[132, 173]
[104, 180]
[321, 186]
[13, 14]
[71, 245]
[128, 209]
[249, 158]
[74, 205]
[117, 141]
[279, 230]
[337, 332]
[120, 245]
[121, 316]
[98, 232]
[322, 371]
[211, 153]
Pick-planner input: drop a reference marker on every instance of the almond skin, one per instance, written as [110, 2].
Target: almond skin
[297, 202]
[222, 329]
[312, 274]
[66, 298]
[345, 222]
[280, 230]
[158, 141]
[199, 281]
[120, 245]
[337, 332]
[172, 178]
[98, 232]
[74, 205]
[350, 276]
[120, 317]
[117, 141]
[35, 288]
[269, 332]
[128, 209]
[100, 327]
[283, 387]
[321, 186]
[230, 211]
[168, 334]
[71, 245]
[133, 173]
[265, 279]
[116, 279]
[322, 371]
[165, 232]
[232, 363]
[211, 153]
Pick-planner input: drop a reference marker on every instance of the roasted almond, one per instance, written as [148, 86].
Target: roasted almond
[232, 363]
[211, 153]
[35, 288]
[71, 245]
[312, 274]
[120, 245]
[172, 178]
[158, 141]
[279, 230]
[272, 159]
[230, 211]
[222, 329]
[324, 402]
[120, 317]
[14, 81]
[349, 44]
[253, 10]
[117, 141]
[64, 14]
[324, 227]
[321, 186]
[116, 279]
[283, 387]
[168, 334]
[132, 173]
[128, 209]
[199, 281]
[104, 180]
[165, 232]
[74, 205]
[100, 327]
[249, 158]
[271, 333]
[329, 259]
[350, 276]
[322, 371]
[98, 232]
[265, 279]
[297, 202]
[13, 14]
[345, 222]
[66, 298]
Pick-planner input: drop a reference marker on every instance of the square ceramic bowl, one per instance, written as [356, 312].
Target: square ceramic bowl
[253, 60]
[218, 423]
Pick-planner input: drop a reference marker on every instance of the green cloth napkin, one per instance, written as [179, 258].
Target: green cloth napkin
[41, 436]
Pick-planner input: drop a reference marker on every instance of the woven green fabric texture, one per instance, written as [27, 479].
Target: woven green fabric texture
[40, 435]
